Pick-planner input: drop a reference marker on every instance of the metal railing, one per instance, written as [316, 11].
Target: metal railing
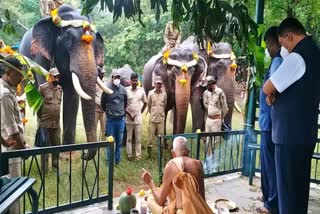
[315, 164]
[220, 152]
[74, 182]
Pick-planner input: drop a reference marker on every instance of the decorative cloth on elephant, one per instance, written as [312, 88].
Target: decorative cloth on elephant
[85, 24]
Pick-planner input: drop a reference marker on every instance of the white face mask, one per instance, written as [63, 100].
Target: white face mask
[116, 82]
[284, 52]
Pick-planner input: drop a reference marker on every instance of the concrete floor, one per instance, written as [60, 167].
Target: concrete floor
[232, 186]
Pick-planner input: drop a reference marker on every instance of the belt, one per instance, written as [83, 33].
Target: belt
[215, 117]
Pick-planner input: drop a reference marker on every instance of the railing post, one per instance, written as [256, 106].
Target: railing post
[110, 176]
[249, 127]
[198, 147]
[159, 157]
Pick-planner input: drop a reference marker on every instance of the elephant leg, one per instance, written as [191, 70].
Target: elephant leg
[228, 117]
[70, 111]
[197, 110]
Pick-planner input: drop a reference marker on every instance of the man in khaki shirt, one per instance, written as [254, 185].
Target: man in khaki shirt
[172, 36]
[49, 116]
[157, 102]
[137, 102]
[215, 104]
[11, 125]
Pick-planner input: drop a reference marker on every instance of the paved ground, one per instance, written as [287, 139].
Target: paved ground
[231, 186]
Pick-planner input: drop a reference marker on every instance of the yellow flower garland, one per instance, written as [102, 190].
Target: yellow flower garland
[7, 50]
[166, 56]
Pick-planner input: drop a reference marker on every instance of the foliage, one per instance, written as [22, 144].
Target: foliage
[130, 43]
[208, 18]
[22, 15]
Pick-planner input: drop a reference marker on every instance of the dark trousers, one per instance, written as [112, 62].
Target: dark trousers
[115, 128]
[268, 172]
[293, 165]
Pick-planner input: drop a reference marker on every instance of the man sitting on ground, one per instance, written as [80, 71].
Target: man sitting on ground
[182, 179]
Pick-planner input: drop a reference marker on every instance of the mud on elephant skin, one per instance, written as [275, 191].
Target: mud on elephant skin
[182, 71]
[76, 58]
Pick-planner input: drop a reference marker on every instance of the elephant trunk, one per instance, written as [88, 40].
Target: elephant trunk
[182, 99]
[83, 66]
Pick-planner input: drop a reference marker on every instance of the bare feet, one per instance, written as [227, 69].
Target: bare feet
[263, 210]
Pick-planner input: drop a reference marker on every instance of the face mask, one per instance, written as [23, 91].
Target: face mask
[55, 83]
[284, 52]
[116, 82]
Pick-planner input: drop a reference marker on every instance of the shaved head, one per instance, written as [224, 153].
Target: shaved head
[180, 146]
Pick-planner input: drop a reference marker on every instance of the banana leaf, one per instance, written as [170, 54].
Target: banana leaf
[33, 96]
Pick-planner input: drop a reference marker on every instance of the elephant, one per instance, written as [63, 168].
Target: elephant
[181, 71]
[219, 60]
[125, 72]
[68, 41]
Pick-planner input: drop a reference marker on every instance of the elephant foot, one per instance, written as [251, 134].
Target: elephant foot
[89, 155]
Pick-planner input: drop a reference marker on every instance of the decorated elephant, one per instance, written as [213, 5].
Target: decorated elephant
[221, 66]
[68, 41]
[181, 70]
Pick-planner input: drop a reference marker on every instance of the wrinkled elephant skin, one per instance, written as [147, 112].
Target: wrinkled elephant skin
[77, 62]
[181, 85]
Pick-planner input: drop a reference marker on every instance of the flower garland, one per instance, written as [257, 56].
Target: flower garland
[87, 37]
[7, 50]
[183, 66]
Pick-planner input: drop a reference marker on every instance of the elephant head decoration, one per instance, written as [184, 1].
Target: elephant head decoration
[68, 41]
[181, 71]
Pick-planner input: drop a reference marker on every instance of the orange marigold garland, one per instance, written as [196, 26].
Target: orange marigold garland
[87, 37]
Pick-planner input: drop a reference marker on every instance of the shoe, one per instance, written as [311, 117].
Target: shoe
[138, 158]
[130, 158]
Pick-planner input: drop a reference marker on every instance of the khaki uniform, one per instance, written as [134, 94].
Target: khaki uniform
[136, 99]
[216, 107]
[49, 118]
[10, 124]
[172, 37]
[157, 103]
[100, 115]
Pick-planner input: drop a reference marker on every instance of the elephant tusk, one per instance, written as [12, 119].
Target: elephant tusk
[103, 87]
[237, 107]
[78, 88]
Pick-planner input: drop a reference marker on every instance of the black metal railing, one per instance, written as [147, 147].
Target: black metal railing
[220, 152]
[73, 182]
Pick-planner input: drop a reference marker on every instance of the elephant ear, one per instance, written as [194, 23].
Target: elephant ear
[218, 68]
[99, 50]
[44, 35]
[200, 73]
